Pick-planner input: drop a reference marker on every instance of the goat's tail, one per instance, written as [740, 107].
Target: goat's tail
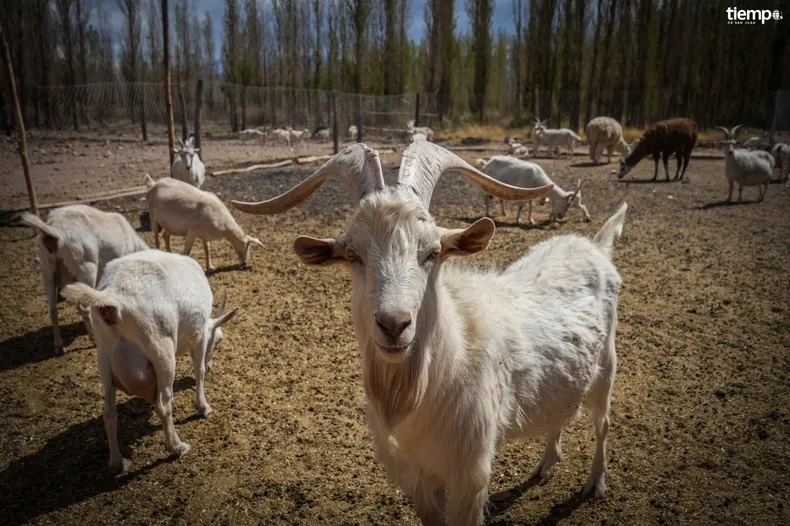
[148, 180]
[613, 227]
[36, 222]
[104, 302]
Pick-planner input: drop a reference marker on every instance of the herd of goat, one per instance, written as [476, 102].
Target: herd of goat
[447, 351]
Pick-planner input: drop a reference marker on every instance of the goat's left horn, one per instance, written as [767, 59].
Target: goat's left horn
[359, 165]
[423, 163]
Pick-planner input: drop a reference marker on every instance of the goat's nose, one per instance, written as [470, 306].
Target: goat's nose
[393, 325]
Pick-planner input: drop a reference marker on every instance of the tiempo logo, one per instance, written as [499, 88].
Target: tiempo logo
[737, 16]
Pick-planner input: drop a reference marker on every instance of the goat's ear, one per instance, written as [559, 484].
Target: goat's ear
[471, 240]
[313, 251]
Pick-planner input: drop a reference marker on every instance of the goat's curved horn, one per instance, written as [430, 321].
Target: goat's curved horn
[726, 131]
[223, 304]
[734, 130]
[578, 189]
[359, 165]
[423, 163]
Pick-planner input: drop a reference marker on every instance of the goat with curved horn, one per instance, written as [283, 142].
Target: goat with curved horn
[424, 163]
[359, 165]
[730, 132]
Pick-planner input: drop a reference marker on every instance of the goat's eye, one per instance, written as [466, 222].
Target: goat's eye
[352, 256]
[432, 255]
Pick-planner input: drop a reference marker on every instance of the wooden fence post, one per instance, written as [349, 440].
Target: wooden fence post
[171, 134]
[20, 124]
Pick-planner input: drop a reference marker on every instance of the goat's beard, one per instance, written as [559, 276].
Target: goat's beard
[394, 390]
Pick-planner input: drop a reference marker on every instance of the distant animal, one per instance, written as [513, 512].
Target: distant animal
[411, 129]
[516, 148]
[554, 139]
[605, 133]
[258, 135]
[781, 153]
[321, 133]
[188, 167]
[75, 244]
[661, 140]
[353, 132]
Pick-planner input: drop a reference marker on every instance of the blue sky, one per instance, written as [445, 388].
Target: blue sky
[502, 19]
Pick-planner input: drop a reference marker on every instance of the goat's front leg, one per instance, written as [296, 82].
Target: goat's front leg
[466, 504]
[199, 366]
[49, 275]
[166, 235]
[551, 456]
[207, 252]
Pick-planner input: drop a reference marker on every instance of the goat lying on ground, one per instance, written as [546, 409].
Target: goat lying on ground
[150, 307]
[454, 360]
[74, 245]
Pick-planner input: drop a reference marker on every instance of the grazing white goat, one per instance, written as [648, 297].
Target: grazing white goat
[321, 133]
[781, 153]
[456, 361]
[746, 168]
[554, 139]
[525, 174]
[758, 142]
[605, 133]
[353, 132]
[74, 245]
[188, 167]
[149, 308]
[183, 210]
[424, 130]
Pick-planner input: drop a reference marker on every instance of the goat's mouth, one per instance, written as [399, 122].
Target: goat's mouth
[393, 353]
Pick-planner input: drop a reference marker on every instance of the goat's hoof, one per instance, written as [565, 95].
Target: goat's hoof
[59, 350]
[209, 365]
[595, 488]
[204, 411]
[119, 467]
[210, 271]
[500, 496]
[545, 471]
[180, 450]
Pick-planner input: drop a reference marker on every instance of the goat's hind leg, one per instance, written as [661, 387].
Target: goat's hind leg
[597, 403]
[49, 274]
[199, 366]
[165, 369]
[547, 466]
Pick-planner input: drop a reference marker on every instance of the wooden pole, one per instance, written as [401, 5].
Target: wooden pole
[183, 105]
[171, 132]
[21, 146]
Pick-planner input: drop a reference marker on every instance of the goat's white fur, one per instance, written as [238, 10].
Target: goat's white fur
[75, 245]
[516, 148]
[454, 360]
[781, 154]
[282, 135]
[183, 210]
[353, 132]
[299, 135]
[554, 139]
[605, 133]
[526, 174]
[423, 130]
[258, 135]
[746, 168]
[188, 167]
[150, 307]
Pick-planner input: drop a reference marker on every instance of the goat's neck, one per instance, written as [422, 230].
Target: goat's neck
[557, 193]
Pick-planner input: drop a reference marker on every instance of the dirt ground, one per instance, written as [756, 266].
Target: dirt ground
[700, 415]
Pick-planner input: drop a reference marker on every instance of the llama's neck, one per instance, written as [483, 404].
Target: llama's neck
[641, 151]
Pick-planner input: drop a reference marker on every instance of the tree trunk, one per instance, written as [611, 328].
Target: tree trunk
[171, 134]
[198, 113]
[591, 79]
[183, 110]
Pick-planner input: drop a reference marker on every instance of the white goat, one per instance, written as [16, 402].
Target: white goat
[74, 245]
[605, 133]
[455, 361]
[516, 148]
[299, 135]
[353, 132]
[555, 138]
[746, 168]
[525, 174]
[781, 154]
[758, 142]
[282, 135]
[149, 308]
[183, 210]
[188, 167]
[258, 135]
[424, 130]
[322, 133]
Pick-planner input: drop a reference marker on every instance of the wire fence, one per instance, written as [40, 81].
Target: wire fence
[230, 107]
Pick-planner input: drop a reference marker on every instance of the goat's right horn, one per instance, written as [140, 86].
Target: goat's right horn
[359, 165]
[423, 163]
